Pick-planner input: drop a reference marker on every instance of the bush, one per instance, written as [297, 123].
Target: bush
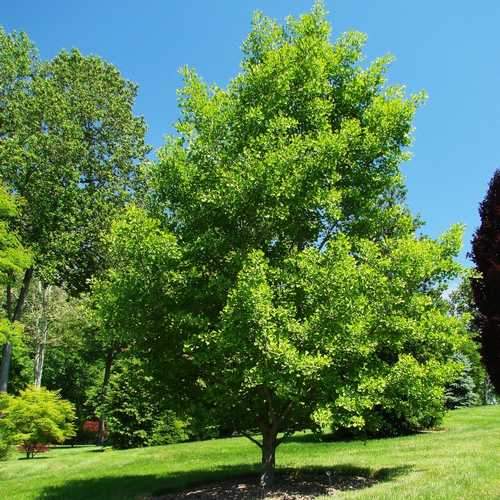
[169, 429]
[134, 413]
[4, 448]
[33, 448]
[35, 418]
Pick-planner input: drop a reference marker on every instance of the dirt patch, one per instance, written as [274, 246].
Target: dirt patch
[288, 486]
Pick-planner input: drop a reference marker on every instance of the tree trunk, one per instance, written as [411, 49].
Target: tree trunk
[269, 444]
[107, 375]
[42, 335]
[39, 360]
[7, 348]
[5, 366]
[22, 295]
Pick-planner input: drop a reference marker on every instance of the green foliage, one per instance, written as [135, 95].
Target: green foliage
[312, 301]
[73, 359]
[13, 257]
[18, 60]
[21, 369]
[142, 268]
[461, 392]
[129, 408]
[135, 412]
[461, 303]
[169, 429]
[5, 447]
[36, 416]
[70, 146]
[135, 302]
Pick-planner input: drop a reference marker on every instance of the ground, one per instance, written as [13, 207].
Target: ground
[460, 461]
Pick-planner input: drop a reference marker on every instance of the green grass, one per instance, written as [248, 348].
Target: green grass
[461, 461]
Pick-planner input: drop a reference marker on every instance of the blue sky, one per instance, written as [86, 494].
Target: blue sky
[449, 48]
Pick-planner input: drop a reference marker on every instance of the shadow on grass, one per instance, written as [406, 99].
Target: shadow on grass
[235, 481]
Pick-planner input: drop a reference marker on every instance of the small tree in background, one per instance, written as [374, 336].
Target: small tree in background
[462, 304]
[486, 287]
[36, 418]
[462, 392]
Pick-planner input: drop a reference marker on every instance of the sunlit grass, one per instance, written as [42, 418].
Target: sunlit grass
[461, 461]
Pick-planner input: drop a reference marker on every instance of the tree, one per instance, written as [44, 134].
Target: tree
[312, 300]
[36, 417]
[462, 304]
[14, 259]
[134, 298]
[52, 318]
[462, 391]
[486, 288]
[136, 408]
[70, 146]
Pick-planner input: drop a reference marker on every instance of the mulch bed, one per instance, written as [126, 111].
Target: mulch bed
[287, 486]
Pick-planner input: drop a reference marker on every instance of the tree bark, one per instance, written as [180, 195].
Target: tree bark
[22, 295]
[7, 348]
[39, 360]
[269, 444]
[5, 366]
[42, 334]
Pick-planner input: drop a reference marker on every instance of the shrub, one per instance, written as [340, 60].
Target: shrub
[169, 429]
[4, 448]
[35, 418]
[33, 448]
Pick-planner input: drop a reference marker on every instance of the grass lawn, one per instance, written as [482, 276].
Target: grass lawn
[462, 461]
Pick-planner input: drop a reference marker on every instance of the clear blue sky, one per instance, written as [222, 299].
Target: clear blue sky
[450, 48]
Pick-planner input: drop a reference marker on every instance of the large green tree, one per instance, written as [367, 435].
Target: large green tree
[312, 302]
[70, 146]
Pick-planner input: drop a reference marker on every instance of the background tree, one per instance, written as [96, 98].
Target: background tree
[37, 416]
[133, 300]
[462, 304]
[462, 391]
[52, 319]
[14, 259]
[136, 408]
[70, 147]
[486, 288]
[312, 301]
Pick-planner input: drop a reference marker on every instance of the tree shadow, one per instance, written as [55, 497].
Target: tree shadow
[235, 481]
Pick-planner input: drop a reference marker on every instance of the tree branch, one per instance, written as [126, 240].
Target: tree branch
[285, 436]
[22, 295]
[251, 438]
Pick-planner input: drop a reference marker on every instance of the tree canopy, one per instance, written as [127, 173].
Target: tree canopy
[70, 148]
[306, 298]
